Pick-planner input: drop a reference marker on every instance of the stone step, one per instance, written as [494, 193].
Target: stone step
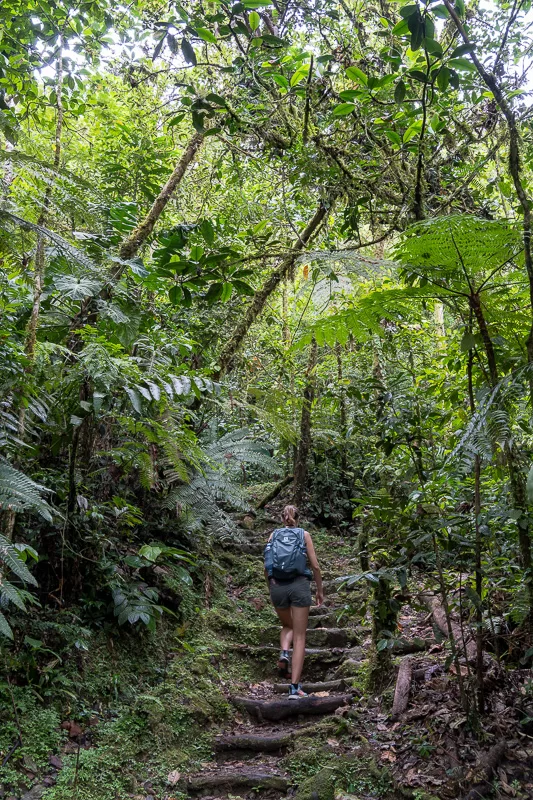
[277, 710]
[228, 781]
[327, 655]
[320, 637]
[322, 620]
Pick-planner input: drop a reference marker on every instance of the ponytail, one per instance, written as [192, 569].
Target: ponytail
[289, 516]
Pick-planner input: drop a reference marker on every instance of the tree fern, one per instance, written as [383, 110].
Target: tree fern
[218, 483]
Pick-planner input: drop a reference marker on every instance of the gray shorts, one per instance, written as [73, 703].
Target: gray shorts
[296, 593]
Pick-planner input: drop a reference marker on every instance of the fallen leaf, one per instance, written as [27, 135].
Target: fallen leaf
[332, 742]
[173, 777]
[320, 694]
[463, 668]
[388, 755]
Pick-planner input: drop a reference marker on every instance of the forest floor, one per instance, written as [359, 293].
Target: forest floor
[207, 715]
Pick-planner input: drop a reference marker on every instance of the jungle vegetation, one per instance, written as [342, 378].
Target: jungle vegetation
[256, 246]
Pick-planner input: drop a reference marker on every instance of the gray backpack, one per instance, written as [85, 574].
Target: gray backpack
[286, 554]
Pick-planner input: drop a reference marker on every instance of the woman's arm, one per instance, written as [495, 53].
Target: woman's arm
[311, 555]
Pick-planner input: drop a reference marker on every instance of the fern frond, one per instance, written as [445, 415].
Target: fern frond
[20, 493]
[9, 558]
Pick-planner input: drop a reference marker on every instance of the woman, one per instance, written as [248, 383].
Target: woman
[286, 555]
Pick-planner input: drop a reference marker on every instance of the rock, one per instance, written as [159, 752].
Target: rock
[35, 793]
[320, 787]
[74, 730]
[56, 762]
[248, 522]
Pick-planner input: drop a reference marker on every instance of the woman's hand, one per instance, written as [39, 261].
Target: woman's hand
[319, 598]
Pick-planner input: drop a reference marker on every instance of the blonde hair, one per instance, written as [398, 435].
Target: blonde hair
[290, 516]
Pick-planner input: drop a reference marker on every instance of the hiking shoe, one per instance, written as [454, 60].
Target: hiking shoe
[283, 663]
[296, 691]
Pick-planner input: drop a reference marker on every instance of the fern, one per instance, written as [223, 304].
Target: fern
[20, 493]
[11, 561]
[218, 482]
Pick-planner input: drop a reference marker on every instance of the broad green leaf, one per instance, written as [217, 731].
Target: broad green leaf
[401, 28]
[206, 35]
[214, 292]
[135, 400]
[432, 47]
[443, 78]
[281, 80]
[188, 52]
[408, 11]
[350, 94]
[197, 252]
[254, 20]
[343, 109]
[356, 74]
[207, 231]
[440, 11]
[462, 49]
[242, 287]
[461, 64]
[468, 342]
[393, 137]
[299, 75]
[399, 91]
[227, 291]
[412, 131]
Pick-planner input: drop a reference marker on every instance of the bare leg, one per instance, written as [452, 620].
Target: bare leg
[299, 624]
[285, 617]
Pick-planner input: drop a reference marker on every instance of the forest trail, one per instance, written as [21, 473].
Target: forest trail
[275, 746]
[250, 755]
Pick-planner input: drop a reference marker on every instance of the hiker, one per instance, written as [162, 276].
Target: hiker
[286, 555]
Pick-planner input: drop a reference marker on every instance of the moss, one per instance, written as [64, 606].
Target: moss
[39, 728]
[320, 787]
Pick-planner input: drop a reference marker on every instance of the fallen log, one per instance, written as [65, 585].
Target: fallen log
[434, 604]
[325, 686]
[275, 491]
[242, 779]
[262, 743]
[403, 687]
[290, 707]
[259, 744]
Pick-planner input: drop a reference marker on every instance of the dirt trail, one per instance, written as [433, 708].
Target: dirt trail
[250, 755]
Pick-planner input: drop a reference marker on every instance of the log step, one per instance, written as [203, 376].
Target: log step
[230, 780]
[290, 707]
[270, 742]
[320, 686]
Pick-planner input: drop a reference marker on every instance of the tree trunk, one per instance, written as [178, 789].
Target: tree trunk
[343, 426]
[384, 619]
[304, 447]
[478, 553]
[227, 357]
[131, 246]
